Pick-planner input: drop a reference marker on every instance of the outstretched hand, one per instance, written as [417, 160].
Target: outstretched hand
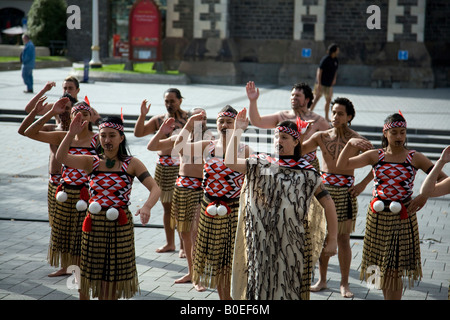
[40, 105]
[193, 119]
[144, 108]
[77, 124]
[252, 91]
[144, 215]
[49, 85]
[445, 156]
[60, 105]
[167, 126]
[241, 121]
[361, 144]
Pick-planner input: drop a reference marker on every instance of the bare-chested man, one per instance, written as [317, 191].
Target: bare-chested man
[167, 168]
[301, 100]
[339, 183]
[188, 190]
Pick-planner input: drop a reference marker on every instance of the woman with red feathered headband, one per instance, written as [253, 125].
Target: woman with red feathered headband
[391, 240]
[272, 239]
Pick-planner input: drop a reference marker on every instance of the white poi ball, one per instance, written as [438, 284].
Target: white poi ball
[211, 210]
[95, 207]
[395, 207]
[222, 210]
[61, 196]
[112, 214]
[81, 205]
[378, 206]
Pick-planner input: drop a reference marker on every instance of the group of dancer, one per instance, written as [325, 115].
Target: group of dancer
[252, 225]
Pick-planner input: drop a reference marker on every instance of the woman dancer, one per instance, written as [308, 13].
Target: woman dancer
[213, 249]
[391, 241]
[108, 265]
[188, 192]
[272, 238]
[71, 194]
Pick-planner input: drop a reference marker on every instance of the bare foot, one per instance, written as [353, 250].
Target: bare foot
[182, 253]
[345, 291]
[165, 248]
[59, 273]
[184, 279]
[319, 286]
[199, 287]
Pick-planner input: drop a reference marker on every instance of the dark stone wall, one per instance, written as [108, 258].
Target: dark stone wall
[261, 19]
[437, 39]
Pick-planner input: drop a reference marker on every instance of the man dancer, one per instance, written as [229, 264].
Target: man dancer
[167, 168]
[339, 184]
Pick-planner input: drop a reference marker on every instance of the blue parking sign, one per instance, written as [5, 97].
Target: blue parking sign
[306, 53]
[402, 55]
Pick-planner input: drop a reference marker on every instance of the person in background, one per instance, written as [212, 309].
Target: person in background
[28, 60]
[326, 78]
[167, 168]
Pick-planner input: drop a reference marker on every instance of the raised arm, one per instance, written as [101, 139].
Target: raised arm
[83, 162]
[347, 160]
[140, 171]
[231, 155]
[30, 106]
[181, 142]
[34, 130]
[141, 129]
[29, 119]
[431, 187]
[160, 140]
[311, 144]
[265, 122]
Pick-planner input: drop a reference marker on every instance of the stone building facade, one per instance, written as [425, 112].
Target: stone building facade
[282, 41]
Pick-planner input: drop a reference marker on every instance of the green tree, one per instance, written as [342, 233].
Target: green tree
[47, 21]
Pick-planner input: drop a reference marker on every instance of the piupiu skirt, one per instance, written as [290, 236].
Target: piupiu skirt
[165, 177]
[108, 259]
[51, 201]
[346, 208]
[185, 205]
[65, 240]
[214, 246]
[391, 246]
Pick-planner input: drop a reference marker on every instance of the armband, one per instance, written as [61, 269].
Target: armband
[322, 194]
[143, 176]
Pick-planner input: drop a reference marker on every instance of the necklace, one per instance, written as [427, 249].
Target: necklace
[110, 163]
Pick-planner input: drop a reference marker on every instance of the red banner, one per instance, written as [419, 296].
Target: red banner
[144, 30]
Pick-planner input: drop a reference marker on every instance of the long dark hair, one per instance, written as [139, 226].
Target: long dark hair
[391, 118]
[124, 151]
[292, 125]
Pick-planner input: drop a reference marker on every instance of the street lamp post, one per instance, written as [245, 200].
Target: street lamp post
[95, 59]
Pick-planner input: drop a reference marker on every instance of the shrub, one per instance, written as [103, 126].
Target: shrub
[47, 21]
